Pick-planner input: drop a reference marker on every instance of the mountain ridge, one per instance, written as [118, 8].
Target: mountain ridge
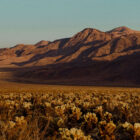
[91, 54]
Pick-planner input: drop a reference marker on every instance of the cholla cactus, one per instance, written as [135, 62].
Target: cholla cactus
[60, 110]
[137, 131]
[104, 101]
[27, 105]
[96, 100]
[110, 128]
[73, 134]
[76, 113]
[10, 104]
[124, 106]
[86, 105]
[62, 121]
[127, 126]
[102, 125]
[51, 110]
[20, 120]
[91, 119]
[47, 104]
[99, 110]
[12, 124]
[107, 116]
[107, 130]
[78, 102]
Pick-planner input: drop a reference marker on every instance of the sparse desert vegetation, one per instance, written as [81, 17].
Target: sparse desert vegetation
[69, 113]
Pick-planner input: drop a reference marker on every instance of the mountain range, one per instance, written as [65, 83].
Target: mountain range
[90, 57]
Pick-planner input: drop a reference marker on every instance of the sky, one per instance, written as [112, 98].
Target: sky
[29, 21]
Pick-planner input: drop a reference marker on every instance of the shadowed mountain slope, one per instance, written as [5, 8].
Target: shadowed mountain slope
[89, 56]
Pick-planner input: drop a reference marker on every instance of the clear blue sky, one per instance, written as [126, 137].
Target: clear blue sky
[29, 21]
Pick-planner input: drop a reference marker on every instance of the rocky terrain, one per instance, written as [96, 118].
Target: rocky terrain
[89, 57]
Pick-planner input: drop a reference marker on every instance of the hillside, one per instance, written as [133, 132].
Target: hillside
[90, 56]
